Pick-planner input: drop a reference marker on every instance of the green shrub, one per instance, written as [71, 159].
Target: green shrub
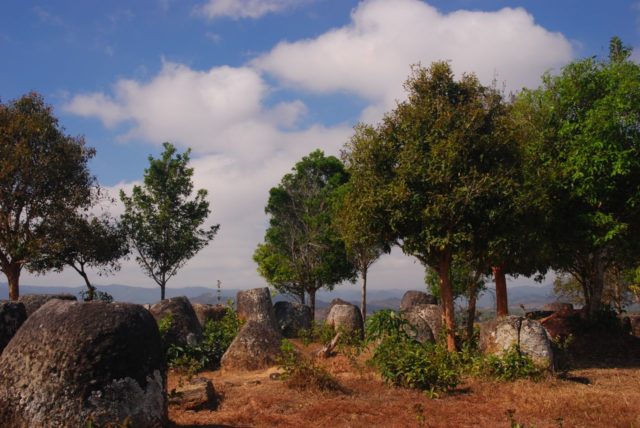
[403, 361]
[511, 365]
[217, 336]
[319, 333]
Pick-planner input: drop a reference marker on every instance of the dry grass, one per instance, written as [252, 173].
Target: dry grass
[593, 397]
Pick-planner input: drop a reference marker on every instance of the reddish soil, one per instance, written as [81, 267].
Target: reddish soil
[590, 397]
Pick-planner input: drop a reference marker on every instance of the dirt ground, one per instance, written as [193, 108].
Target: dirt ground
[588, 397]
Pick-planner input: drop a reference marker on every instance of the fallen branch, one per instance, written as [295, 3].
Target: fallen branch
[326, 351]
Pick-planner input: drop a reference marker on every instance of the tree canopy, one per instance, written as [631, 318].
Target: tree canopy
[44, 179]
[163, 221]
[302, 252]
[587, 143]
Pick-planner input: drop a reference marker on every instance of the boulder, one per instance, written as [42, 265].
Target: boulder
[71, 363]
[255, 305]
[413, 297]
[418, 327]
[12, 315]
[185, 327]
[345, 317]
[499, 335]
[426, 319]
[292, 317]
[256, 347]
[206, 313]
[562, 324]
[198, 394]
[33, 301]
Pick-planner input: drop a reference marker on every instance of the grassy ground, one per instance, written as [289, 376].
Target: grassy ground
[586, 397]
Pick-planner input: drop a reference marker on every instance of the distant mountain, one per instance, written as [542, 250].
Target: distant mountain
[529, 296]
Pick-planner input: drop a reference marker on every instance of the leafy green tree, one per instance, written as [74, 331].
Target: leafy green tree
[359, 215]
[161, 220]
[81, 242]
[302, 252]
[442, 155]
[44, 177]
[587, 141]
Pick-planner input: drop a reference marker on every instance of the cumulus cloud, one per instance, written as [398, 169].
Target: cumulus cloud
[371, 56]
[238, 9]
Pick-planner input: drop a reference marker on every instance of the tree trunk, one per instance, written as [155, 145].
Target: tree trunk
[446, 293]
[302, 298]
[312, 302]
[502, 305]
[471, 310]
[162, 291]
[12, 270]
[597, 286]
[90, 288]
[363, 308]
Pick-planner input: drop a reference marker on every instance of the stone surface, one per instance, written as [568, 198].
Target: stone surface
[292, 317]
[33, 301]
[345, 317]
[206, 313]
[256, 347]
[198, 394]
[185, 327]
[12, 315]
[424, 316]
[499, 335]
[73, 362]
[255, 305]
[418, 327]
[413, 297]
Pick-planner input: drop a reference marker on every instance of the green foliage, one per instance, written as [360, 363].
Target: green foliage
[585, 143]
[405, 362]
[301, 250]
[302, 373]
[511, 365]
[162, 222]
[100, 296]
[217, 336]
[44, 179]
[319, 333]
[82, 241]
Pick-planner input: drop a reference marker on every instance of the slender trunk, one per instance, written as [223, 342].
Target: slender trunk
[312, 302]
[364, 296]
[162, 291]
[502, 305]
[12, 270]
[301, 297]
[597, 286]
[471, 310]
[90, 288]
[446, 293]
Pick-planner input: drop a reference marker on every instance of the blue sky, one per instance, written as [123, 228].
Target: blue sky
[253, 85]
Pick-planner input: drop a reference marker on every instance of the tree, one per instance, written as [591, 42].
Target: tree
[161, 220]
[442, 155]
[44, 177]
[83, 241]
[302, 252]
[359, 215]
[587, 140]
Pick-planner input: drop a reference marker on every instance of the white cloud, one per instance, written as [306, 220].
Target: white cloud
[371, 56]
[238, 9]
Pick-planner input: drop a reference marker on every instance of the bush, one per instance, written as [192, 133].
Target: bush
[512, 365]
[217, 336]
[403, 361]
[302, 373]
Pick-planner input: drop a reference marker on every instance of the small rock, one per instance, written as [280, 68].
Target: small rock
[198, 394]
